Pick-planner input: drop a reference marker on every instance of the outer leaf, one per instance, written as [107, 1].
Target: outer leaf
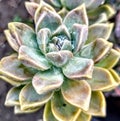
[23, 34]
[78, 68]
[77, 93]
[110, 60]
[101, 30]
[79, 34]
[47, 81]
[11, 40]
[97, 104]
[17, 110]
[77, 15]
[48, 19]
[62, 110]
[90, 4]
[59, 58]
[30, 99]
[96, 50]
[11, 67]
[101, 79]
[47, 115]
[34, 58]
[43, 37]
[12, 97]
[31, 7]
[84, 117]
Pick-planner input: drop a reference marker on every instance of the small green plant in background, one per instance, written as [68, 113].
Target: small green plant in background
[64, 62]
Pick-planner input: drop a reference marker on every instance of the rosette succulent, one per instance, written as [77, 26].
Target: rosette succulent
[97, 10]
[62, 63]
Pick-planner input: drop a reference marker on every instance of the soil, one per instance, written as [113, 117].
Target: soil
[9, 9]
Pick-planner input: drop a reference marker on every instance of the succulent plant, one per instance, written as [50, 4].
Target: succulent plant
[62, 63]
[97, 10]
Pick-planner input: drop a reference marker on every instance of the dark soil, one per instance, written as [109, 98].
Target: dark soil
[9, 9]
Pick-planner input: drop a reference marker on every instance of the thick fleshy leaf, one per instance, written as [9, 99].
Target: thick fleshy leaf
[100, 30]
[47, 115]
[96, 50]
[11, 40]
[78, 68]
[107, 10]
[90, 4]
[48, 19]
[31, 7]
[79, 34]
[34, 58]
[101, 79]
[12, 97]
[23, 34]
[84, 117]
[97, 104]
[110, 60]
[52, 48]
[59, 58]
[77, 15]
[36, 1]
[62, 110]
[62, 32]
[67, 45]
[43, 37]
[30, 99]
[63, 12]
[47, 81]
[17, 110]
[11, 67]
[77, 93]
[56, 3]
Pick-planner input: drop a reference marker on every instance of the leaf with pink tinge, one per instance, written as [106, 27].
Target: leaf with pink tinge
[77, 93]
[101, 79]
[34, 58]
[97, 104]
[29, 98]
[62, 110]
[79, 34]
[59, 58]
[47, 81]
[77, 15]
[12, 68]
[78, 68]
[31, 7]
[100, 30]
[48, 19]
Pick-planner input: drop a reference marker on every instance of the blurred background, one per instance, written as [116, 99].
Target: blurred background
[14, 10]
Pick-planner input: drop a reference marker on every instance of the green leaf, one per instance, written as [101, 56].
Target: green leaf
[77, 93]
[77, 15]
[84, 117]
[59, 58]
[97, 104]
[96, 50]
[100, 30]
[12, 97]
[56, 3]
[78, 68]
[47, 81]
[17, 110]
[12, 68]
[62, 110]
[101, 79]
[31, 7]
[79, 34]
[34, 58]
[47, 19]
[23, 34]
[47, 115]
[30, 99]
[43, 37]
[110, 60]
